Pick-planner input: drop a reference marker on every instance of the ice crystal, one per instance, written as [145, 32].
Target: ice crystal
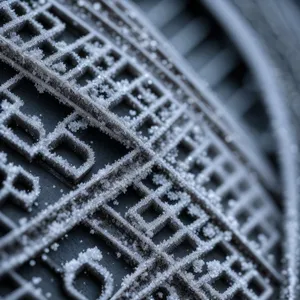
[150, 187]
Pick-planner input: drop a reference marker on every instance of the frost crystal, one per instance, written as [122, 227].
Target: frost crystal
[214, 268]
[120, 175]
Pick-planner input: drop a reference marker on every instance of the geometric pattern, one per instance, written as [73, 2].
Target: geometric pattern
[118, 178]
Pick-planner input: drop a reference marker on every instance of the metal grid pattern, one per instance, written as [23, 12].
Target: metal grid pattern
[196, 195]
[198, 36]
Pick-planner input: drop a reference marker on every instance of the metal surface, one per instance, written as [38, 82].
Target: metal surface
[122, 178]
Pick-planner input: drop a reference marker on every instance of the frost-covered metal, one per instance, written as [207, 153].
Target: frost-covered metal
[214, 53]
[135, 185]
